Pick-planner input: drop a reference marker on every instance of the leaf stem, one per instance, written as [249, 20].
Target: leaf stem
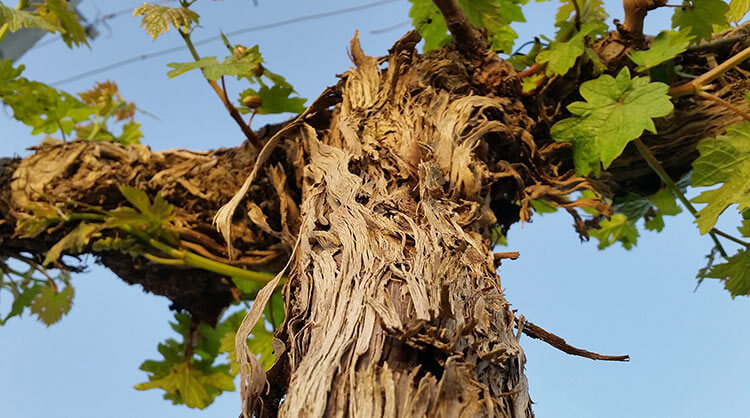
[716, 99]
[672, 186]
[233, 112]
[191, 259]
[695, 85]
[4, 29]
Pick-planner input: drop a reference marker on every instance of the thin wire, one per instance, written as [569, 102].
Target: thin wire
[167, 51]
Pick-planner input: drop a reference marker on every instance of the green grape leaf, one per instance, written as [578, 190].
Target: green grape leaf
[22, 301]
[591, 11]
[43, 216]
[7, 72]
[493, 15]
[157, 19]
[73, 242]
[276, 100]
[131, 134]
[666, 205]
[17, 19]
[616, 111]
[738, 9]
[38, 105]
[214, 70]
[735, 272]
[666, 45]
[699, 17]
[618, 228]
[726, 160]
[49, 305]
[561, 56]
[542, 206]
[633, 205]
[428, 21]
[190, 385]
[61, 13]
[744, 228]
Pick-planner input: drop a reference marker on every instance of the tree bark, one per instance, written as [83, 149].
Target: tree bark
[394, 307]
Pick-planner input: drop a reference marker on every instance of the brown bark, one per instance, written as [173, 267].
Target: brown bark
[393, 304]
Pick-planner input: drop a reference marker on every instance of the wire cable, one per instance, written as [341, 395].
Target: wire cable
[272, 25]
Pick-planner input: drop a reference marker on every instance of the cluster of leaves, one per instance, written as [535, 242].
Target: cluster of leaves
[142, 222]
[48, 110]
[203, 364]
[271, 93]
[725, 161]
[493, 15]
[48, 298]
[56, 16]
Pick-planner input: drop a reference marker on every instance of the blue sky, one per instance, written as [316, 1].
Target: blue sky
[688, 348]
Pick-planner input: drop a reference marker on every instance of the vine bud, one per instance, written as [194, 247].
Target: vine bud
[252, 101]
[258, 71]
[239, 51]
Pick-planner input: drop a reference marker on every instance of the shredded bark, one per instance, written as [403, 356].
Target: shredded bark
[388, 192]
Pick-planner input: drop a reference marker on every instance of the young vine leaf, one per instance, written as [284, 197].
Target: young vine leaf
[735, 273]
[591, 11]
[617, 228]
[190, 386]
[738, 9]
[214, 70]
[699, 17]
[666, 46]
[493, 15]
[157, 19]
[428, 21]
[616, 111]
[276, 99]
[726, 160]
[61, 13]
[74, 241]
[666, 205]
[561, 56]
[17, 19]
[22, 300]
[50, 304]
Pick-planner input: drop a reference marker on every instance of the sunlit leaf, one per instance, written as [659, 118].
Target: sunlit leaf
[618, 228]
[157, 19]
[666, 45]
[616, 111]
[17, 19]
[726, 160]
[50, 304]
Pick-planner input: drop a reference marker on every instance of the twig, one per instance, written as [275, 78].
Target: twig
[696, 84]
[577, 18]
[233, 112]
[715, 43]
[716, 99]
[535, 68]
[537, 332]
[672, 186]
[468, 39]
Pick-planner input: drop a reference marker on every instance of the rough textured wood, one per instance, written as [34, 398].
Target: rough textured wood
[394, 307]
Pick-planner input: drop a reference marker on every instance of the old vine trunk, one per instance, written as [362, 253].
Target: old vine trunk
[383, 199]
